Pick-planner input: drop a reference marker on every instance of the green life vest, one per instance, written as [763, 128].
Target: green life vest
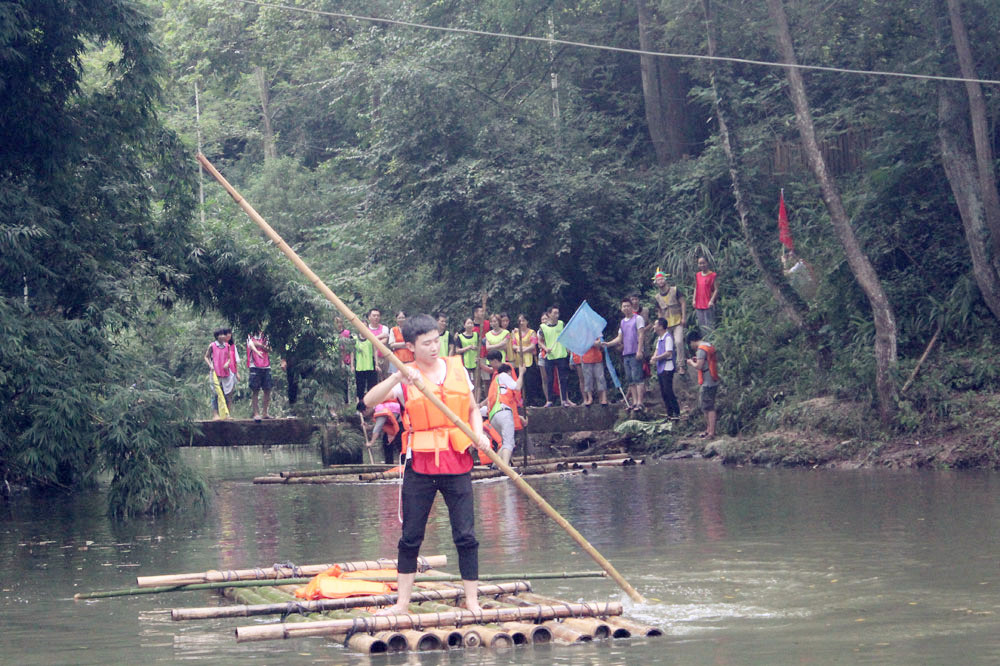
[443, 340]
[364, 354]
[469, 357]
[492, 339]
[551, 333]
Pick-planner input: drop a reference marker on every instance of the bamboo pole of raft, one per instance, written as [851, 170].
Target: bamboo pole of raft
[282, 630]
[395, 642]
[421, 386]
[279, 571]
[322, 605]
[627, 627]
[132, 591]
[334, 471]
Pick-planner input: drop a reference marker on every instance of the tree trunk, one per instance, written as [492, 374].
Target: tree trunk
[664, 91]
[980, 127]
[270, 152]
[793, 306]
[864, 272]
[957, 159]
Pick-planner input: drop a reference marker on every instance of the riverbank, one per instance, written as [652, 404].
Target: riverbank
[827, 433]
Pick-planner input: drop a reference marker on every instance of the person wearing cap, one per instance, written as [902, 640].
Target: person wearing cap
[672, 306]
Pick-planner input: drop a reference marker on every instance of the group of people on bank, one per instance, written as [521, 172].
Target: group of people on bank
[503, 363]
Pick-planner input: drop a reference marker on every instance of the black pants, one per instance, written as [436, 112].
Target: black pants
[562, 365]
[419, 491]
[365, 379]
[666, 379]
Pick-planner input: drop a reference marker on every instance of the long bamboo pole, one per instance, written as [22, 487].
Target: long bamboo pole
[279, 571]
[281, 630]
[454, 418]
[133, 591]
[322, 605]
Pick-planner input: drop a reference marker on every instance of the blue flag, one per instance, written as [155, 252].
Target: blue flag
[583, 328]
[611, 369]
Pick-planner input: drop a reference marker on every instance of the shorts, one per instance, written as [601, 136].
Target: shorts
[706, 398]
[633, 369]
[593, 377]
[260, 378]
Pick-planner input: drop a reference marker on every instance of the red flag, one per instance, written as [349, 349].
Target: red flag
[784, 233]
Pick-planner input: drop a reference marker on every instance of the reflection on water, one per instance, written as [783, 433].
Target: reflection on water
[739, 565]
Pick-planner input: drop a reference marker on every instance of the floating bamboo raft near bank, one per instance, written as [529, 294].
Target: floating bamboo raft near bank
[372, 473]
[511, 613]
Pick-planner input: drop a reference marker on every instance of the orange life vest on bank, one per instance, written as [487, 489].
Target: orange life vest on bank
[713, 366]
[403, 354]
[427, 428]
[391, 427]
[509, 398]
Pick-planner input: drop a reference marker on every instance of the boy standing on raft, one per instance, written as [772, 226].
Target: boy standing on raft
[438, 456]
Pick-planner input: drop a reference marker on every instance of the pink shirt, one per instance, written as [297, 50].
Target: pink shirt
[261, 360]
[378, 332]
[346, 356]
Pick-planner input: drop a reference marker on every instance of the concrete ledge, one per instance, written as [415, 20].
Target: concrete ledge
[571, 419]
[246, 432]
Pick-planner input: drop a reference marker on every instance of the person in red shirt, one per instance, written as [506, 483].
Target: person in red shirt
[438, 455]
[706, 291]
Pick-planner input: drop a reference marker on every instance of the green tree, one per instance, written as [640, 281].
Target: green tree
[95, 213]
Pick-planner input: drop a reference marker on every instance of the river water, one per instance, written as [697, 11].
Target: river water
[740, 565]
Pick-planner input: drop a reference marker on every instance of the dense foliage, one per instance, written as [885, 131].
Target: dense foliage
[420, 169]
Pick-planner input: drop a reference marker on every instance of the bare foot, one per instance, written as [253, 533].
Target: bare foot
[393, 610]
[473, 605]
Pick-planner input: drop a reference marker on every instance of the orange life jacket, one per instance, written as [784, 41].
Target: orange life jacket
[391, 427]
[511, 398]
[713, 366]
[335, 584]
[403, 354]
[427, 428]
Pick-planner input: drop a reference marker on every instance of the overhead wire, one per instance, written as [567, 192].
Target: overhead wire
[616, 49]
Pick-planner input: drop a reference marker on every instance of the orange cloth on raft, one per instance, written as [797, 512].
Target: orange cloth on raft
[335, 584]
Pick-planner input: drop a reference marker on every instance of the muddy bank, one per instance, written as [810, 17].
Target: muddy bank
[821, 433]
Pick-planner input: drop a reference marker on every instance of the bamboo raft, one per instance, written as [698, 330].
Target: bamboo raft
[375, 473]
[511, 613]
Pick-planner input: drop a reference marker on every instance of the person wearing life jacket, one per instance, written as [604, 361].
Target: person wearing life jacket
[467, 347]
[259, 363]
[706, 363]
[223, 362]
[387, 417]
[502, 401]
[396, 343]
[365, 374]
[446, 346]
[438, 456]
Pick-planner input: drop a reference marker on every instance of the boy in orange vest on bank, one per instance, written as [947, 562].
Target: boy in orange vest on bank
[708, 378]
[502, 401]
[438, 455]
